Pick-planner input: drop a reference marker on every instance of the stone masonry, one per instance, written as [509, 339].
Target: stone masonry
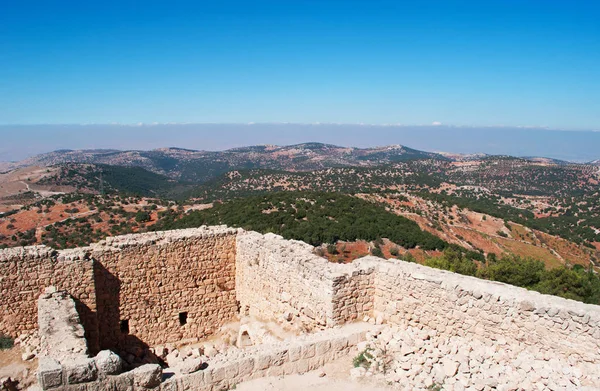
[179, 286]
[169, 287]
[145, 289]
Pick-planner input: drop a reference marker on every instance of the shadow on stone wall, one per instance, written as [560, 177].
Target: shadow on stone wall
[89, 320]
[136, 352]
[108, 288]
[113, 331]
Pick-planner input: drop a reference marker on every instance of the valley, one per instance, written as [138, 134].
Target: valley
[485, 208]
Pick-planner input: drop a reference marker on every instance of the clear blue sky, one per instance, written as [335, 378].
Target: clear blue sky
[485, 62]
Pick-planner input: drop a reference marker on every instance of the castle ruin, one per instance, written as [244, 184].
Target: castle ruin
[115, 304]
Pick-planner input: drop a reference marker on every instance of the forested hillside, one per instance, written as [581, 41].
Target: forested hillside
[315, 218]
[104, 178]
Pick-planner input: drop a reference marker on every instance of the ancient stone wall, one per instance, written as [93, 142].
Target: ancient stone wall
[411, 295]
[166, 286]
[353, 293]
[25, 272]
[61, 333]
[283, 279]
[143, 289]
[179, 286]
[294, 356]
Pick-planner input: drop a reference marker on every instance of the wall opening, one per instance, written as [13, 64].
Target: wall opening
[125, 326]
[244, 340]
[183, 318]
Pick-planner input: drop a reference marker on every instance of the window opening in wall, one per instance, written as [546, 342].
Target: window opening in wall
[125, 326]
[183, 318]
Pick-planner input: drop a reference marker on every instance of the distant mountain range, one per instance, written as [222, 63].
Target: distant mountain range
[200, 166]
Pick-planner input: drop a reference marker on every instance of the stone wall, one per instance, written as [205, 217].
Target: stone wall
[284, 280]
[294, 356]
[157, 282]
[61, 332]
[408, 294]
[25, 272]
[353, 293]
[178, 286]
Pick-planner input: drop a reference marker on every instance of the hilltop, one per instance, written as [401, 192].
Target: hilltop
[541, 208]
[200, 166]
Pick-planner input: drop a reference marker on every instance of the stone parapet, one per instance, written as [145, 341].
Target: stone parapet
[284, 280]
[167, 286]
[62, 336]
[137, 291]
[293, 356]
[409, 294]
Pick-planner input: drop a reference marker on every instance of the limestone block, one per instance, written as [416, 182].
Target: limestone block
[171, 385]
[322, 347]
[50, 373]
[82, 370]
[246, 365]
[339, 344]
[108, 363]
[295, 353]
[263, 361]
[147, 376]
[191, 365]
[219, 373]
[278, 358]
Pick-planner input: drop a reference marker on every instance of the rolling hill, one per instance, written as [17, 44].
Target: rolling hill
[200, 166]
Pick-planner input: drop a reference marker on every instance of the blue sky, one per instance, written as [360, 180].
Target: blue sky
[508, 62]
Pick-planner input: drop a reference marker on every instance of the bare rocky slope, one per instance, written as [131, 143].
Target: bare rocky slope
[199, 166]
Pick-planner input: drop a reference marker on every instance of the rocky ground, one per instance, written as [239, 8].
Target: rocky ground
[422, 359]
[332, 377]
[13, 366]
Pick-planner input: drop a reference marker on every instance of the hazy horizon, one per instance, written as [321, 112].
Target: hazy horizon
[30, 140]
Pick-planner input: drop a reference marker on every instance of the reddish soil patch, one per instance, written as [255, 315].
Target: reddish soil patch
[40, 217]
[349, 251]
[478, 240]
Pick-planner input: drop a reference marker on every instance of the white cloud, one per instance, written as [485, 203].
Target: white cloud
[436, 123]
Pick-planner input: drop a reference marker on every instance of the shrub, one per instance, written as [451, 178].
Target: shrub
[408, 257]
[502, 233]
[363, 359]
[515, 271]
[332, 249]
[6, 342]
[454, 261]
[376, 251]
[142, 217]
[394, 251]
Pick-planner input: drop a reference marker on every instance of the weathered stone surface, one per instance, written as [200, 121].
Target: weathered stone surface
[191, 365]
[147, 376]
[60, 330]
[82, 370]
[108, 363]
[50, 373]
[183, 285]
